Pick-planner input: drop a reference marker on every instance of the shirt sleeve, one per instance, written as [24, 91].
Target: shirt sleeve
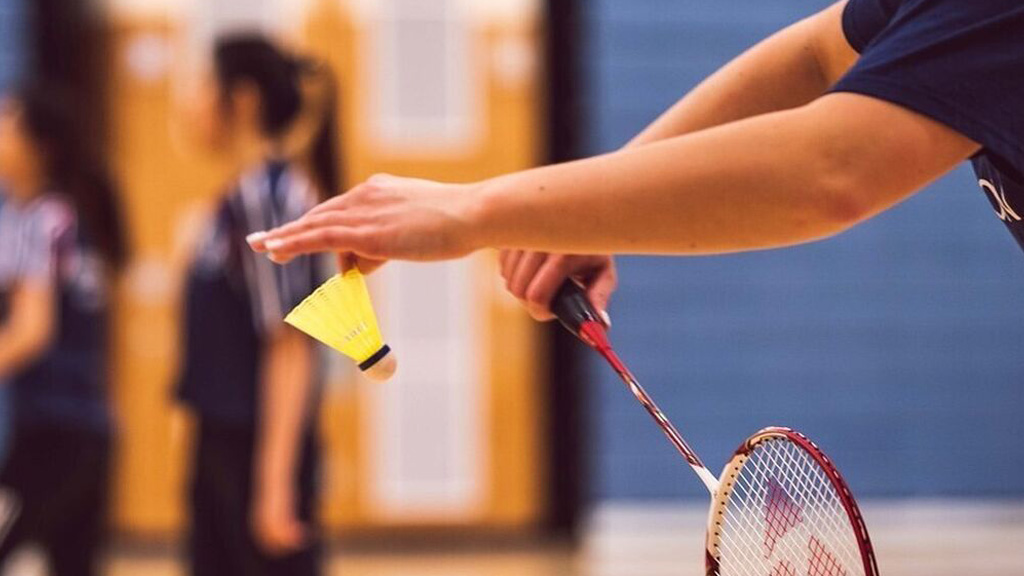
[956, 62]
[46, 231]
[863, 20]
[267, 201]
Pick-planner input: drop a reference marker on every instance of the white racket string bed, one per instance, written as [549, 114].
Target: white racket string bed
[780, 506]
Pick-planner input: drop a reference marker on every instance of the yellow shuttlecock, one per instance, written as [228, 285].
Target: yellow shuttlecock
[339, 314]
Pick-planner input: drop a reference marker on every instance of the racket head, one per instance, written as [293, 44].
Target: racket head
[783, 509]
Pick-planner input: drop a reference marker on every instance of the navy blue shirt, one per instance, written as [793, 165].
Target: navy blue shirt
[960, 62]
[235, 299]
[42, 244]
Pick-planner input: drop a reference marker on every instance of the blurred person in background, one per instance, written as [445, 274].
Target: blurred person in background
[61, 241]
[5, 393]
[250, 380]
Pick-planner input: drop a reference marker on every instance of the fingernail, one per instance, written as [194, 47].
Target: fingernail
[275, 244]
[606, 318]
[255, 237]
[276, 259]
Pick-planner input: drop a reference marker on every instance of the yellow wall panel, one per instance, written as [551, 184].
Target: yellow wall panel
[514, 359]
[158, 185]
[163, 188]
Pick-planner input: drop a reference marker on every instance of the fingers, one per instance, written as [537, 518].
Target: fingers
[264, 241]
[335, 211]
[597, 273]
[602, 285]
[543, 286]
[526, 268]
[509, 263]
[535, 277]
[258, 240]
[319, 234]
[332, 210]
[503, 257]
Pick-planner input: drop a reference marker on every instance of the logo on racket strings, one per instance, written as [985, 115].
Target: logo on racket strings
[781, 516]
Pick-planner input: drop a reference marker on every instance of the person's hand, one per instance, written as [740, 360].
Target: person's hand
[385, 218]
[346, 261]
[275, 526]
[534, 278]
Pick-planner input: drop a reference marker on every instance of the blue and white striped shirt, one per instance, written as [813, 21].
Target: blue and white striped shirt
[41, 243]
[235, 299]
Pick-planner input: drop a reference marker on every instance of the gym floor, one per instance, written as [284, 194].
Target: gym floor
[920, 538]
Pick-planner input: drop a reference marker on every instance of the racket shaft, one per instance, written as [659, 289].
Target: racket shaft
[705, 475]
[576, 312]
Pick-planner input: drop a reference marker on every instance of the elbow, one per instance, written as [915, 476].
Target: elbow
[843, 197]
[842, 206]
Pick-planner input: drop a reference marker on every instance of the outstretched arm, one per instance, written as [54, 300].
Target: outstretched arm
[769, 181]
[790, 69]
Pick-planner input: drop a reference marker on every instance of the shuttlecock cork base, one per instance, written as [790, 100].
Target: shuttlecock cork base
[381, 366]
[340, 314]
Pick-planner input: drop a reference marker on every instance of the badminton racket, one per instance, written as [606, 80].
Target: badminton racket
[780, 506]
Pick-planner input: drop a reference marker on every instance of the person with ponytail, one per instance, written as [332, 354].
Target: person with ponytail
[61, 242]
[250, 380]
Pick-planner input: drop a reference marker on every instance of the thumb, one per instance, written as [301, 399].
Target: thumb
[600, 293]
[369, 265]
[347, 261]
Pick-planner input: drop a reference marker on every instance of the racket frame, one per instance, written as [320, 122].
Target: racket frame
[732, 471]
[575, 311]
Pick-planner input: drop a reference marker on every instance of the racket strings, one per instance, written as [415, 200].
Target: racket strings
[784, 517]
[770, 515]
[768, 502]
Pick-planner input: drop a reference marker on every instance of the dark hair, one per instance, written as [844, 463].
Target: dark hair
[74, 168]
[278, 77]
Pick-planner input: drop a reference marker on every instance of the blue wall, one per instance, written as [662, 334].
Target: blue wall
[13, 28]
[897, 346]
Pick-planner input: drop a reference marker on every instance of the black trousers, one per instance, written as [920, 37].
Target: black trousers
[60, 478]
[221, 541]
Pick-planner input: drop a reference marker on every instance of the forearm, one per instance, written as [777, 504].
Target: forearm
[287, 385]
[773, 180]
[15, 351]
[789, 69]
[28, 329]
[726, 189]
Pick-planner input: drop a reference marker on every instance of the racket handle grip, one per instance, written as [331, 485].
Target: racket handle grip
[573, 308]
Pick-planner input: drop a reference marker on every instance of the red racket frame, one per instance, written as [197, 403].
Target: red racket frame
[575, 311]
[730, 473]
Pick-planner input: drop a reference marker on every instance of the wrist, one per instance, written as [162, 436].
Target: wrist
[273, 481]
[482, 213]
